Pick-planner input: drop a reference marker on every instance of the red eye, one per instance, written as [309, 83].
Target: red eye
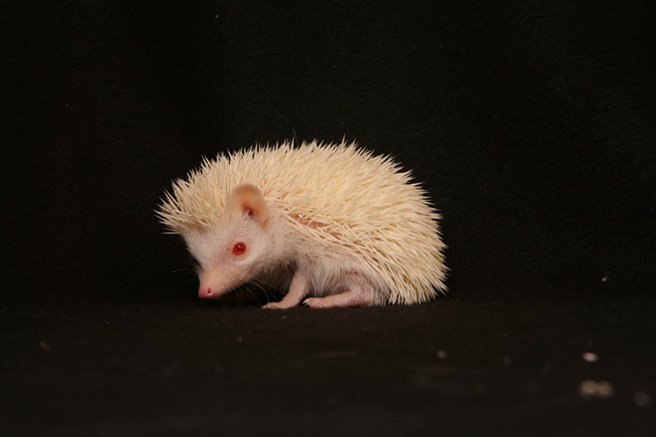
[239, 249]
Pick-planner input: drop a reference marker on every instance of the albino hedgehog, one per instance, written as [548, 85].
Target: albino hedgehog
[333, 224]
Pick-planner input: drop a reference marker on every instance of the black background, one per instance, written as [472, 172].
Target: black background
[531, 125]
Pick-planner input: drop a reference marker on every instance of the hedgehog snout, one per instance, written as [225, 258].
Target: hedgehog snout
[206, 292]
[211, 290]
[220, 279]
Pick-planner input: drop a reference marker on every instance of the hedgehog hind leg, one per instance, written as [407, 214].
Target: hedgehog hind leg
[356, 296]
[298, 289]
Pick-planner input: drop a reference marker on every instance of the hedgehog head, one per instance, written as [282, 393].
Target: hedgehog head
[230, 251]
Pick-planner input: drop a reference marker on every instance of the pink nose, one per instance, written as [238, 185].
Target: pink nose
[205, 292]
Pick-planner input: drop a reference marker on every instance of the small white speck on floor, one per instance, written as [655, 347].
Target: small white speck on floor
[441, 354]
[604, 279]
[590, 357]
[589, 389]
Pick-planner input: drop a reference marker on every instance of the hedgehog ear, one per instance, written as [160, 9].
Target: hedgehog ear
[248, 198]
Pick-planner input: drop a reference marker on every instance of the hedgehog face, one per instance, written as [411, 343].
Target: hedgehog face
[229, 254]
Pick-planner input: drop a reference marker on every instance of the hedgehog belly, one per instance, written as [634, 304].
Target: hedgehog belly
[331, 277]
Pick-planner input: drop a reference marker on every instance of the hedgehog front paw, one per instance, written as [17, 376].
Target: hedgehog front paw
[298, 289]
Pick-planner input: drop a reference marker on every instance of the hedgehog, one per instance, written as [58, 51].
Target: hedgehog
[333, 224]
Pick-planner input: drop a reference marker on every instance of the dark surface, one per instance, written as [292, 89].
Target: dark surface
[532, 126]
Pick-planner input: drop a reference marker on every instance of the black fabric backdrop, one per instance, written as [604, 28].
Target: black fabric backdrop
[531, 125]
